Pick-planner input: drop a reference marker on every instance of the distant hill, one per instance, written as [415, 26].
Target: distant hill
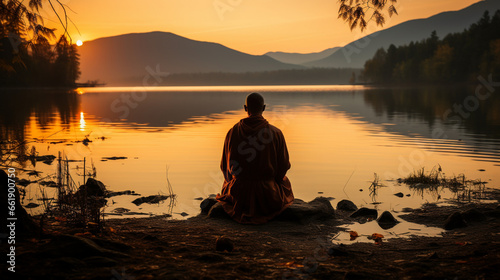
[123, 59]
[301, 58]
[355, 54]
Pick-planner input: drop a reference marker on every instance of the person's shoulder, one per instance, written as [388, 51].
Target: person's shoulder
[234, 128]
[275, 129]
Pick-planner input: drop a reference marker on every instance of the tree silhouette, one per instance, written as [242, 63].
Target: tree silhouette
[458, 57]
[357, 13]
[26, 54]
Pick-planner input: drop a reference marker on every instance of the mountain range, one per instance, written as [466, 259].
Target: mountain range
[130, 58]
[133, 57]
[355, 54]
[301, 58]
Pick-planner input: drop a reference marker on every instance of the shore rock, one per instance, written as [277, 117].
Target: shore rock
[224, 244]
[152, 199]
[387, 220]
[455, 220]
[399, 194]
[128, 192]
[319, 208]
[365, 212]
[346, 205]
[93, 187]
[217, 211]
[207, 204]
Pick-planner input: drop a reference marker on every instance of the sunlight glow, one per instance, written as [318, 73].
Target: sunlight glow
[79, 43]
[82, 122]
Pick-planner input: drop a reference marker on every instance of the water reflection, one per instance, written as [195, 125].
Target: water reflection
[333, 132]
[447, 119]
[43, 108]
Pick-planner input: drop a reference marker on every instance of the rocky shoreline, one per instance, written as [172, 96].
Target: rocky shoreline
[296, 245]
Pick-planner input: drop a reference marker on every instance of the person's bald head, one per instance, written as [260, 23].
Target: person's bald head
[254, 104]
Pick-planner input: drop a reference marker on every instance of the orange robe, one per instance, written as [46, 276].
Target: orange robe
[254, 163]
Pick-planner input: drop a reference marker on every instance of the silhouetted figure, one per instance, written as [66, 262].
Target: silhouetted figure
[254, 163]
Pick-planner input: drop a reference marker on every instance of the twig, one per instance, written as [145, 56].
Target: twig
[348, 182]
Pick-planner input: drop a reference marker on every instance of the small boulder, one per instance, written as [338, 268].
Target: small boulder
[207, 204]
[224, 244]
[365, 212]
[323, 208]
[319, 208]
[93, 187]
[455, 220]
[387, 220]
[346, 205]
[152, 199]
[217, 211]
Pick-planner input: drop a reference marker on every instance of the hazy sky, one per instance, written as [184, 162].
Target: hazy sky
[251, 26]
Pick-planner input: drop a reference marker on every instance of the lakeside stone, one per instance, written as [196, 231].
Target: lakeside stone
[365, 212]
[346, 205]
[399, 194]
[217, 212]
[92, 187]
[152, 199]
[207, 204]
[454, 221]
[224, 244]
[387, 220]
[300, 211]
[319, 208]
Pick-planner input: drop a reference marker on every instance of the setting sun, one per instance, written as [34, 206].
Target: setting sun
[246, 139]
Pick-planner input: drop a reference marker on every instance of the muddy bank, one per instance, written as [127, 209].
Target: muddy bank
[161, 248]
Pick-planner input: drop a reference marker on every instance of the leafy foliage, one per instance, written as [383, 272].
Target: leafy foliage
[26, 56]
[459, 57]
[354, 12]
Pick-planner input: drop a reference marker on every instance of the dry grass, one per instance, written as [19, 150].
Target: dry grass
[375, 185]
[435, 180]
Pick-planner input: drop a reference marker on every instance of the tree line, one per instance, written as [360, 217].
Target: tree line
[27, 58]
[458, 57]
[311, 76]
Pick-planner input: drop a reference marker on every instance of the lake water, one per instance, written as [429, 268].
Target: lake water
[338, 137]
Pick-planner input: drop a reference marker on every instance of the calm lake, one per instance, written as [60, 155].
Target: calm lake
[338, 137]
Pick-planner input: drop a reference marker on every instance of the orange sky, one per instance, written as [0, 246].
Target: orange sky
[251, 26]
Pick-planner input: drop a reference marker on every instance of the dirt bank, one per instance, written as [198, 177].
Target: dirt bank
[159, 248]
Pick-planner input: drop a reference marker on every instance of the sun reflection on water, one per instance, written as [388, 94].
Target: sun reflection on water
[83, 124]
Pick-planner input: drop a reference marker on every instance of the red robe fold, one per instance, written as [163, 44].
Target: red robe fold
[254, 163]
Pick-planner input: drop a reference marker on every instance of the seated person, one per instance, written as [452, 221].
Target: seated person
[254, 163]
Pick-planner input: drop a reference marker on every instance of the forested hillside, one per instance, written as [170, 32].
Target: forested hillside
[458, 57]
[27, 57]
